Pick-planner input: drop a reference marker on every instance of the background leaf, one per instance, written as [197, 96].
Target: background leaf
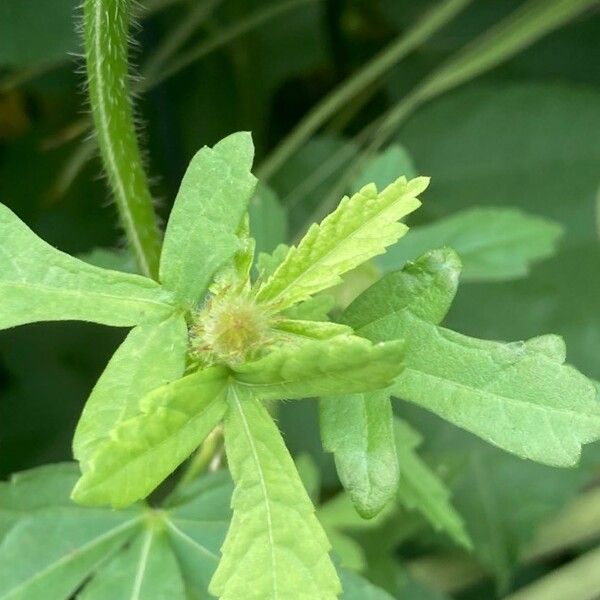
[168, 553]
[494, 244]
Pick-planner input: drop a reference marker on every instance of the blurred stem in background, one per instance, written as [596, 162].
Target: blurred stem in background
[576, 525]
[106, 30]
[519, 30]
[359, 82]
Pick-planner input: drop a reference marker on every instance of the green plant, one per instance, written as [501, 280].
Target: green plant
[221, 332]
[210, 346]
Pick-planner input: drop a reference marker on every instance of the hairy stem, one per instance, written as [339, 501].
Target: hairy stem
[106, 45]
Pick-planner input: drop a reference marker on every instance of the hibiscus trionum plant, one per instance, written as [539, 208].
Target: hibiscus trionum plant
[218, 336]
[212, 346]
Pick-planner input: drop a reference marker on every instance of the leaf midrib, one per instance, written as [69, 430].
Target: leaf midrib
[263, 485]
[71, 556]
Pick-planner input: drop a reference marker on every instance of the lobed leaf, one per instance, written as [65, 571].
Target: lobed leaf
[519, 396]
[425, 287]
[275, 548]
[52, 546]
[211, 202]
[40, 283]
[343, 364]
[143, 450]
[101, 553]
[494, 244]
[515, 396]
[150, 356]
[147, 568]
[360, 228]
[358, 429]
[420, 489]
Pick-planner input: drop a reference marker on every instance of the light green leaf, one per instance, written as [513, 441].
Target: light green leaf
[150, 356]
[515, 396]
[344, 364]
[268, 219]
[357, 428]
[425, 287]
[53, 546]
[316, 308]
[40, 283]
[360, 228]
[201, 232]
[385, 168]
[275, 548]
[316, 330]
[146, 569]
[494, 244]
[420, 488]
[143, 450]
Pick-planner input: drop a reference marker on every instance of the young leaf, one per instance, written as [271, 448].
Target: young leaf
[315, 330]
[150, 356]
[360, 228]
[143, 450]
[494, 244]
[316, 308]
[515, 395]
[201, 232]
[426, 287]
[420, 489]
[275, 548]
[357, 428]
[40, 283]
[147, 568]
[343, 364]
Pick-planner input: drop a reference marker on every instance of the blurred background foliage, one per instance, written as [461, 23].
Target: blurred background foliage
[497, 100]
